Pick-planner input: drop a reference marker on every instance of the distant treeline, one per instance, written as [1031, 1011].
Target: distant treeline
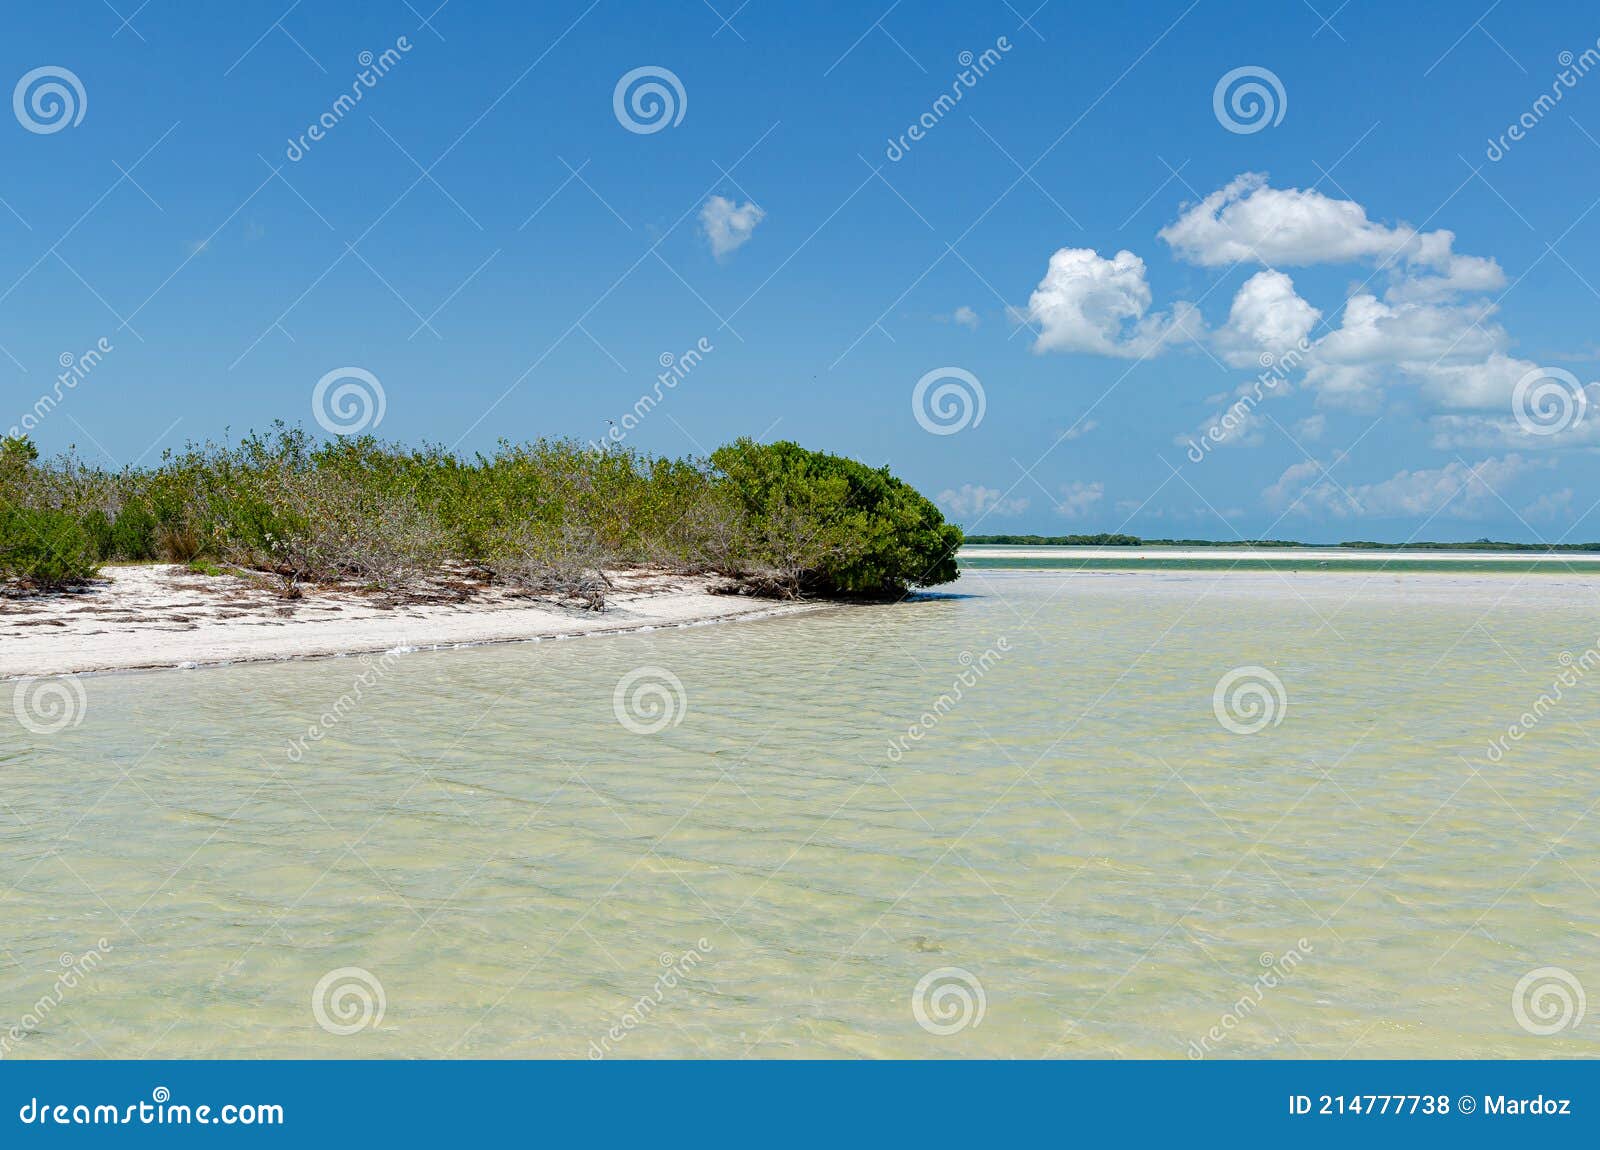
[1476, 545]
[1118, 541]
[1104, 540]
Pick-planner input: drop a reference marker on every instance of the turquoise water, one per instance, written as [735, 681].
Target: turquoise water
[1074, 857]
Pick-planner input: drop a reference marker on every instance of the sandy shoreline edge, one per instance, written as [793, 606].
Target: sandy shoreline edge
[165, 616]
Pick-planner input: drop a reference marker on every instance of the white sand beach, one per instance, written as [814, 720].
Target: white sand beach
[165, 615]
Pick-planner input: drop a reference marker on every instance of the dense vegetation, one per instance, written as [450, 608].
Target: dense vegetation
[549, 517]
[1475, 545]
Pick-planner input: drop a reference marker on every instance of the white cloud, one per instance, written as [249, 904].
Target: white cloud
[1239, 424]
[1452, 352]
[1456, 274]
[1139, 506]
[1488, 383]
[1267, 318]
[1293, 485]
[1247, 221]
[1250, 221]
[728, 226]
[1374, 332]
[1457, 490]
[966, 317]
[974, 500]
[1080, 429]
[1474, 430]
[1079, 499]
[1420, 331]
[1310, 428]
[1430, 324]
[1550, 505]
[1455, 432]
[1091, 304]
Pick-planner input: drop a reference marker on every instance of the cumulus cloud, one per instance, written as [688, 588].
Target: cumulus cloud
[974, 500]
[1424, 318]
[1419, 330]
[1458, 490]
[1550, 505]
[1079, 499]
[1249, 221]
[1455, 274]
[1293, 485]
[1456, 381]
[1267, 318]
[965, 317]
[1454, 353]
[1246, 221]
[728, 226]
[1088, 303]
[1454, 432]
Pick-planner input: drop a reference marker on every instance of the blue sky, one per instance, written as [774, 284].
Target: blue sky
[486, 238]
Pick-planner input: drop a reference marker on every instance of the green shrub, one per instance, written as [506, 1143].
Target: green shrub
[17, 456]
[98, 530]
[44, 549]
[133, 534]
[822, 524]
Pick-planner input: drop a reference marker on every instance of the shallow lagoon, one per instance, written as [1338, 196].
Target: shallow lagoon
[1112, 867]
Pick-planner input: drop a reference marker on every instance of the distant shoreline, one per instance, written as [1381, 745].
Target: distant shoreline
[1119, 540]
[166, 616]
[1284, 559]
